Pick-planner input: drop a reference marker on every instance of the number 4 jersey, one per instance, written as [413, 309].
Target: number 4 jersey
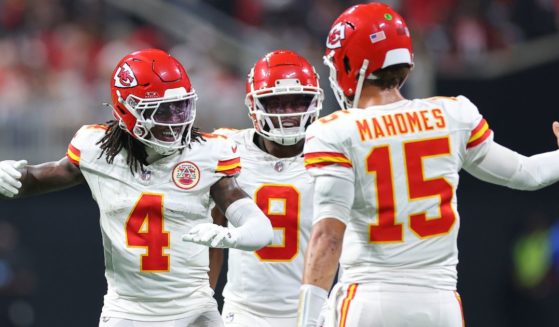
[266, 282]
[151, 273]
[403, 159]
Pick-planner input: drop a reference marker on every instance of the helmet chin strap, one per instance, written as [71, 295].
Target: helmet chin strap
[284, 139]
[360, 81]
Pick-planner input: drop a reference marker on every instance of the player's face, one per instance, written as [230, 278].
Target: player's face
[287, 104]
[169, 118]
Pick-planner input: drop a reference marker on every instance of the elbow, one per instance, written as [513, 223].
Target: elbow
[259, 237]
[535, 173]
[528, 178]
[330, 241]
[329, 235]
[534, 187]
[531, 187]
[527, 184]
[523, 186]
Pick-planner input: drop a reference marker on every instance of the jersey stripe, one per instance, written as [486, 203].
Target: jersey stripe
[351, 290]
[479, 134]
[229, 167]
[321, 159]
[73, 155]
[97, 126]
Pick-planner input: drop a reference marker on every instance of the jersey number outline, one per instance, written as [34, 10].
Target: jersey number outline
[288, 220]
[145, 229]
[378, 162]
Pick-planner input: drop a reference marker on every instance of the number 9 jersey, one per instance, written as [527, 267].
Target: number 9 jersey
[152, 275]
[266, 282]
[403, 159]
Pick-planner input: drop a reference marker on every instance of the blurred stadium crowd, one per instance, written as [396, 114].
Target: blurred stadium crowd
[57, 55]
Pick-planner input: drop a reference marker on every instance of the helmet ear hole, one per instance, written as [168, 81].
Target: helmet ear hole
[140, 131]
[347, 66]
[121, 110]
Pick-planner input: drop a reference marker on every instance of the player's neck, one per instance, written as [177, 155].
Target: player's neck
[277, 150]
[374, 96]
[152, 155]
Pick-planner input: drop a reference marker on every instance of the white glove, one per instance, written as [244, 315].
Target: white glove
[9, 177]
[211, 235]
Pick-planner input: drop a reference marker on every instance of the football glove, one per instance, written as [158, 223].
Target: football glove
[212, 235]
[9, 177]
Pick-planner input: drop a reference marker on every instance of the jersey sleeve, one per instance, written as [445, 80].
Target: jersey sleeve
[479, 134]
[226, 131]
[229, 161]
[326, 152]
[82, 142]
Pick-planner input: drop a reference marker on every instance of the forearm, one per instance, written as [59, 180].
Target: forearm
[216, 254]
[18, 179]
[321, 260]
[216, 262]
[537, 171]
[332, 202]
[45, 178]
[253, 228]
[505, 167]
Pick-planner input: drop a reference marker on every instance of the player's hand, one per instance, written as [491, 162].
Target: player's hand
[211, 235]
[555, 127]
[9, 177]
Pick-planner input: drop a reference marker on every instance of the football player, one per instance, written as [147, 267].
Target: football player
[152, 175]
[283, 99]
[386, 174]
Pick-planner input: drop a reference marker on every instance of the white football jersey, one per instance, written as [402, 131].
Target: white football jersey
[151, 273]
[403, 159]
[266, 282]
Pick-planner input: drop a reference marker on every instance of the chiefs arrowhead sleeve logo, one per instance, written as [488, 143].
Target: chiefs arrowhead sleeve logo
[124, 77]
[336, 35]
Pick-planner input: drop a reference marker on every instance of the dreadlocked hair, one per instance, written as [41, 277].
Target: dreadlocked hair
[116, 139]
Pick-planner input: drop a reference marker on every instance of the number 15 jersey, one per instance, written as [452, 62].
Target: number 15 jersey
[403, 159]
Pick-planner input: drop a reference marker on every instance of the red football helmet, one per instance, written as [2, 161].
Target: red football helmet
[283, 96]
[363, 39]
[153, 99]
